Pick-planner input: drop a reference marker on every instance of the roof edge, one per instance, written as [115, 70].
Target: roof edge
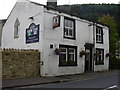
[62, 11]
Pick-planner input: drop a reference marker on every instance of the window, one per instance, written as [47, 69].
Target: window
[68, 55]
[71, 54]
[16, 28]
[69, 28]
[99, 57]
[99, 34]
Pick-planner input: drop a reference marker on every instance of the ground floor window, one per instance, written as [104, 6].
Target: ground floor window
[99, 57]
[68, 55]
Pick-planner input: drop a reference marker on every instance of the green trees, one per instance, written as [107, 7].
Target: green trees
[114, 62]
[113, 35]
[94, 11]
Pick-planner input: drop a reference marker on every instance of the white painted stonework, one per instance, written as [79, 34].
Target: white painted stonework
[47, 35]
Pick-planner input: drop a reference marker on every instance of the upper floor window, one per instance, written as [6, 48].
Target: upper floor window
[69, 28]
[16, 28]
[99, 34]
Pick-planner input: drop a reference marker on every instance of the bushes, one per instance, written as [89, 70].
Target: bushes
[114, 63]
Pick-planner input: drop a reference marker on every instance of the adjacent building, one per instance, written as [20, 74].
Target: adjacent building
[68, 43]
[2, 22]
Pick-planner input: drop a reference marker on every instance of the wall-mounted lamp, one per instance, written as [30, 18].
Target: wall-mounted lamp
[32, 18]
[51, 46]
[90, 25]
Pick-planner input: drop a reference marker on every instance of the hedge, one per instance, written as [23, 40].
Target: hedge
[114, 63]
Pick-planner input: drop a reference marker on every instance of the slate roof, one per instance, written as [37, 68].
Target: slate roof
[2, 21]
[62, 11]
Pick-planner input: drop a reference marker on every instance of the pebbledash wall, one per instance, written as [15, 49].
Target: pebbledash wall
[50, 38]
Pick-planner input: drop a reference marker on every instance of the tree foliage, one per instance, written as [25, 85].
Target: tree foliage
[110, 21]
[94, 11]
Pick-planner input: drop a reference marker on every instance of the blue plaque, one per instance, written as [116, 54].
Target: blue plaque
[32, 33]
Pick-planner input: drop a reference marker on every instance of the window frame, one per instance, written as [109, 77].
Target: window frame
[71, 53]
[68, 61]
[99, 34]
[16, 28]
[65, 53]
[100, 58]
[69, 28]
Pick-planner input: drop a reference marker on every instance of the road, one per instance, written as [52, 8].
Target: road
[105, 82]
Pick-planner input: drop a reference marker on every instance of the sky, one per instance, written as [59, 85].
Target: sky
[7, 5]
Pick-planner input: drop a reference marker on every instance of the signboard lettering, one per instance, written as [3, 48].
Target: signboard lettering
[32, 33]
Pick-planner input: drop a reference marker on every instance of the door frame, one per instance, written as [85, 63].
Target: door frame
[89, 46]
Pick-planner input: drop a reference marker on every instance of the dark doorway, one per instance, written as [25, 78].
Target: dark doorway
[88, 57]
[88, 60]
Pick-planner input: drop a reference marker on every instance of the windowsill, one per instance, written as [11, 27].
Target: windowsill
[16, 37]
[67, 65]
[99, 64]
[99, 42]
[72, 38]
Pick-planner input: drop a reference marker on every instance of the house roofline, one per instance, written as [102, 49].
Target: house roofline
[62, 11]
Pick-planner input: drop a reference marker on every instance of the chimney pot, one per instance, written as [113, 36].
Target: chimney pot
[52, 3]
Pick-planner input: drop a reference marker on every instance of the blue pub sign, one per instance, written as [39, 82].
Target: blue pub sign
[32, 33]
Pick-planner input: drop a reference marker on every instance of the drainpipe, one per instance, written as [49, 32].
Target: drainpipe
[94, 50]
[94, 34]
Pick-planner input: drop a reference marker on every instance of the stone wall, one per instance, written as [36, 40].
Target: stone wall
[20, 63]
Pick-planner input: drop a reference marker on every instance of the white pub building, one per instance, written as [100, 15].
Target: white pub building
[68, 43]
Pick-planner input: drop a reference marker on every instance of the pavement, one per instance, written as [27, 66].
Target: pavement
[53, 79]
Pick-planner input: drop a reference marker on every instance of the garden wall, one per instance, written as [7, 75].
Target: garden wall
[20, 63]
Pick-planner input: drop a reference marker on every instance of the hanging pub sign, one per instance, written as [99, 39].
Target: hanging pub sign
[56, 21]
[32, 33]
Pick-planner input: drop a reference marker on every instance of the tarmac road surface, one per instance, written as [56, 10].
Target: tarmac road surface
[107, 82]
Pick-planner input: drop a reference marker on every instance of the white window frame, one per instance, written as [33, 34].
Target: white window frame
[99, 35]
[97, 51]
[69, 26]
[72, 53]
[101, 55]
[64, 52]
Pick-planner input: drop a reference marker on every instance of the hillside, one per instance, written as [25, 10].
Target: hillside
[94, 11]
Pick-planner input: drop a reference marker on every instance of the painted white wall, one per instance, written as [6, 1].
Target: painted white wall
[104, 46]
[55, 36]
[22, 11]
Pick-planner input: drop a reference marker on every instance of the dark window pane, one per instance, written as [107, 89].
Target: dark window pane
[66, 31]
[100, 57]
[63, 59]
[70, 32]
[71, 57]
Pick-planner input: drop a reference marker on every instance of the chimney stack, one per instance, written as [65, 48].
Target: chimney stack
[52, 3]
